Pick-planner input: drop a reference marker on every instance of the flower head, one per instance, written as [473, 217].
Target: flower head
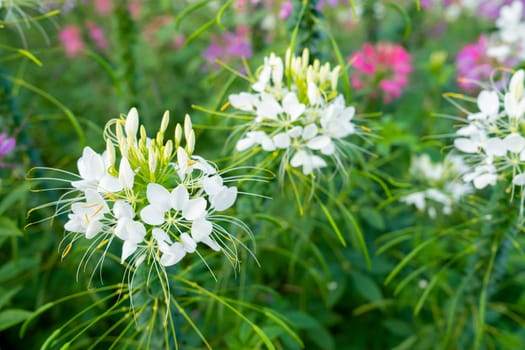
[7, 144]
[442, 182]
[492, 138]
[385, 66]
[71, 39]
[152, 197]
[296, 112]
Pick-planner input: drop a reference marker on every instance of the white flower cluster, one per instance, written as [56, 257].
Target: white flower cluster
[444, 188]
[508, 42]
[493, 137]
[303, 116]
[160, 202]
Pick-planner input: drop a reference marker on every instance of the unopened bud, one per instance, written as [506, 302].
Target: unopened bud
[132, 122]
[168, 150]
[178, 135]
[152, 160]
[187, 126]
[165, 121]
[335, 77]
[306, 57]
[111, 152]
[190, 142]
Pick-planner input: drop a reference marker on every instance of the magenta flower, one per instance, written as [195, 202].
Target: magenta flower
[286, 10]
[474, 65]
[7, 144]
[385, 66]
[229, 45]
[103, 7]
[97, 35]
[71, 39]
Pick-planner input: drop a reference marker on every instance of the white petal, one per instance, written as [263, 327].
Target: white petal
[488, 102]
[109, 184]
[211, 243]
[484, 180]
[188, 243]
[466, 145]
[152, 215]
[309, 131]
[243, 101]
[244, 144]
[194, 209]
[173, 255]
[495, 147]
[224, 199]
[93, 228]
[281, 140]
[296, 131]
[212, 185]
[514, 142]
[160, 235]
[319, 142]
[519, 180]
[200, 229]
[292, 106]
[298, 159]
[328, 149]
[179, 197]
[158, 196]
[128, 248]
[136, 232]
[122, 209]
[126, 175]
[269, 108]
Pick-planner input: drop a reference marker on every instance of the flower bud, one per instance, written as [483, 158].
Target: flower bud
[187, 126]
[165, 122]
[168, 150]
[178, 135]
[111, 152]
[132, 122]
[190, 142]
[152, 160]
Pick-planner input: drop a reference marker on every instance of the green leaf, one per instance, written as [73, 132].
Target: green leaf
[366, 287]
[372, 217]
[302, 320]
[16, 267]
[5, 296]
[8, 228]
[11, 317]
[12, 197]
[322, 338]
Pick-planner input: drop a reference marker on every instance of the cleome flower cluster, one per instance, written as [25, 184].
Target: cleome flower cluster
[296, 111]
[493, 139]
[154, 197]
[444, 187]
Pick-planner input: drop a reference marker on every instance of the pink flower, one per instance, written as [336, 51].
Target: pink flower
[385, 66]
[229, 45]
[71, 39]
[103, 7]
[474, 65]
[7, 144]
[134, 9]
[286, 10]
[97, 35]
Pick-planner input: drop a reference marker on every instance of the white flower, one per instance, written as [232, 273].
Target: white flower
[92, 168]
[130, 231]
[488, 104]
[308, 161]
[162, 201]
[482, 176]
[172, 254]
[255, 138]
[86, 216]
[336, 121]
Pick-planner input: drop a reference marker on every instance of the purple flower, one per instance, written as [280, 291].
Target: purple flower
[7, 144]
[229, 45]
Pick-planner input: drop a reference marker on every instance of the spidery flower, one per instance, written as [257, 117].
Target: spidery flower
[384, 66]
[492, 138]
[442, 182]
[296, 114]
[153, 199]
